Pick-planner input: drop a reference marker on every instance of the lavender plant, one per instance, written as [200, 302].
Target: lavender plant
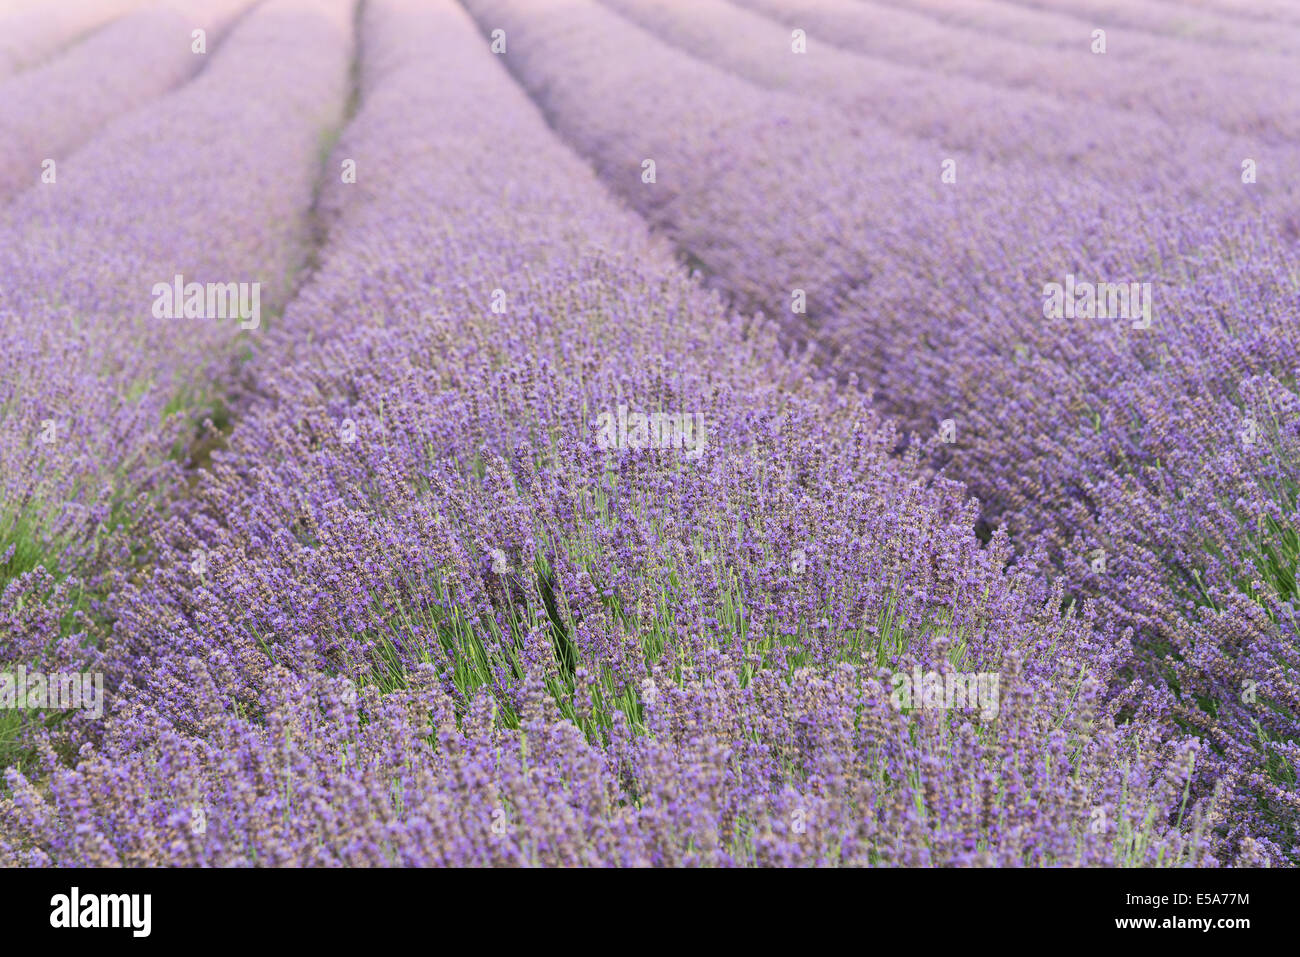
[102, 398]
[1041, 25]
[1149, 75]
[506, 537]
[442, 622]
[46, 113]
[1042, 413]
[31, 32]
[1032, 133]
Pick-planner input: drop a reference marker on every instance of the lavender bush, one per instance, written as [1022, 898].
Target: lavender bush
[1048, 25]
[1206, 27]
[1149, 75]
[503, 539]
[985, 349]
[1016, 127]
[100, 397]
[47, 112]
[33, 31]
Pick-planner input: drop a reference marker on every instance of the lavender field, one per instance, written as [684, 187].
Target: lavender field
[670, 433]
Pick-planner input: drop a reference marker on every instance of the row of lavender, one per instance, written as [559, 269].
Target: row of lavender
[1207, 23]
[1146, 450]
[444, 615]
[102, 376]
[32, 31]
[1243, 90]
[1018, 128]
[47, 112]
[1041, 24]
